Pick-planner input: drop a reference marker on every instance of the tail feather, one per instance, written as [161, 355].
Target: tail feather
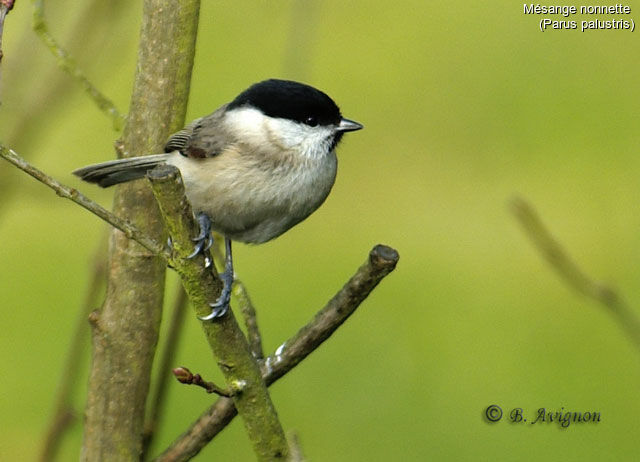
[117, 171]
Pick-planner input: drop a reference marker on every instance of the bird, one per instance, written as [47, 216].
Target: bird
[252, 169]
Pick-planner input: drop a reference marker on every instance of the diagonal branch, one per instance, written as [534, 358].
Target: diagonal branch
[225, 338]
[382, 260]
[569, 271]
[74, 195]
[68, 65]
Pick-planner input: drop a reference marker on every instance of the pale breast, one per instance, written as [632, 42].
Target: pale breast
[251, 200]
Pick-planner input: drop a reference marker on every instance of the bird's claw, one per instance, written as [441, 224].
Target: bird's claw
[205, 226]
[221, 305]
[202, 245]
[204, 240]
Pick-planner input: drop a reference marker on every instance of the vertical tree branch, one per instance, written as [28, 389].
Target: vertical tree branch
[125, 331]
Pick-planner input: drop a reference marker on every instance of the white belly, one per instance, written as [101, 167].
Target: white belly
[255, 203]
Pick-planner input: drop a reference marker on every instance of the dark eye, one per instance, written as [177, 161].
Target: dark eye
[311, 121]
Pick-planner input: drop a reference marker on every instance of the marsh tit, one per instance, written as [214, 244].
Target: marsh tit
[252, 169]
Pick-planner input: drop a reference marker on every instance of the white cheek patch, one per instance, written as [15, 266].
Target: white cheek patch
[259, 130]
[248, 123]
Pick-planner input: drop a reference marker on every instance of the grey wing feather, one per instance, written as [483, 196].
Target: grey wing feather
[204, 137]
[180, 140]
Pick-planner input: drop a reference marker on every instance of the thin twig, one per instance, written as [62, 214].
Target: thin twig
[65, 414]
[5, 7]
[74, 195]
[250, 318]
[569, 271]
[382, 260]
[169, 350]
[67, 64]
[27, 123]
[30, 119]
[185, 376]
[294, 447]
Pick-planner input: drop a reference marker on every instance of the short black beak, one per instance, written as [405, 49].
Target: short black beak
[347, 125]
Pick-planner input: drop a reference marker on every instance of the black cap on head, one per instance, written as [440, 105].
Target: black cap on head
[290, 100]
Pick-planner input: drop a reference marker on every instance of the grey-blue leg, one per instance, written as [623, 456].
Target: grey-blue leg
[221, 305]
[204, 240]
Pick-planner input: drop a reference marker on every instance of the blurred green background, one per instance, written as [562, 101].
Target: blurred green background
[465, 104]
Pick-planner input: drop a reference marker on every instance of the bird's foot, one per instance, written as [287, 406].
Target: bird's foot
[220, 307]
[204, 240]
